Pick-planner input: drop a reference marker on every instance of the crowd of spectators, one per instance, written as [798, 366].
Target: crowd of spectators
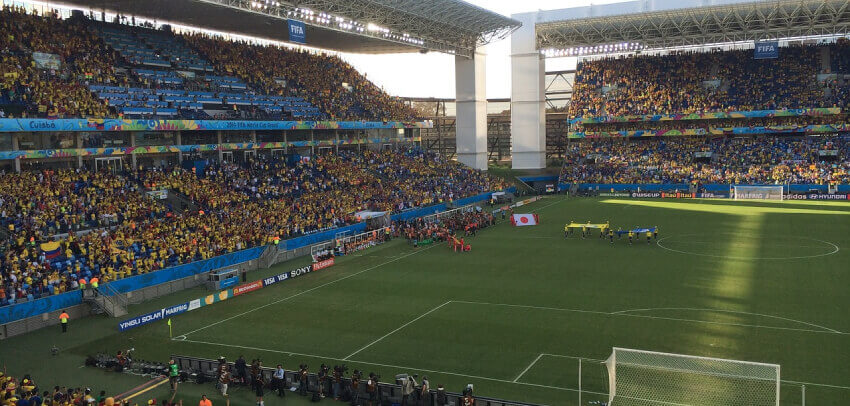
[706, 124]
[108, 227]
[323, 79]
[83, 59]
[693, 82]
[737, 160]
[51, 90]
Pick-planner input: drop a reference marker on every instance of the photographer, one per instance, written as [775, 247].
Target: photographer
[302, 379]
[372, 389]
[223, 382]
[441, 398]
[425, 392]
[241, 368]
[468, 400]
[338, 373]
[279, 380]
[355, 388]
[259, 385]
[323, 380]
[407, 389]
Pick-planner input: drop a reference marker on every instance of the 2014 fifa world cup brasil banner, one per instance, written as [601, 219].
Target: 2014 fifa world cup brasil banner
[117, 124]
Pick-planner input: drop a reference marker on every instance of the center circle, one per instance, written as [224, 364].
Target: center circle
[767, 248]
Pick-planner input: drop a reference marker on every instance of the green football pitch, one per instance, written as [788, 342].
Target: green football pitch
[526, 309]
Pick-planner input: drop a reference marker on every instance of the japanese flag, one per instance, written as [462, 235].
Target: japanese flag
[524, 220]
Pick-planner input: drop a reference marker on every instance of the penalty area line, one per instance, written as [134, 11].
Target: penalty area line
[528, 367]
[396, 330]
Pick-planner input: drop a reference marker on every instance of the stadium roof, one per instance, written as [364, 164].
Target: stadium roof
[658, 24]
[362, 26]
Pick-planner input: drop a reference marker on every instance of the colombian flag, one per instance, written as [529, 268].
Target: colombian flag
[51, 249]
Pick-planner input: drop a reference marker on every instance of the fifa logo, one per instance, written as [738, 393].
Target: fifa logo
[766, 48]
[296, 29]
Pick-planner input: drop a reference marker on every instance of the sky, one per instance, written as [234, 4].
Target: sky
[432, 74]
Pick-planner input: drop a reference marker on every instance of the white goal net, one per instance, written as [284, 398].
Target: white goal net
[758, 193]
[646, 378]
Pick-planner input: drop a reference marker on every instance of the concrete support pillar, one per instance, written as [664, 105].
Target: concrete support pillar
[528, 97]
[218, 141]
[179, 153]
[15, 147]
[312, 143]
[336, 143]
[78, 141]
[471, 96]
[133, 162]
[254, 136]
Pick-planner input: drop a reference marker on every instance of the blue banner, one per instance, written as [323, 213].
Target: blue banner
[118, 124]
[297, 32]
[141, 320]
[766, 50]
[226, 283]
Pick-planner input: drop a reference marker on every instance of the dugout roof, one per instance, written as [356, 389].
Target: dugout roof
[658, 24]
[451, 26]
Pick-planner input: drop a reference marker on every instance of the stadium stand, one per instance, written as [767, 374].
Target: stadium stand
[98, 69]
[104, 225]
[698, 82]
[723, 160]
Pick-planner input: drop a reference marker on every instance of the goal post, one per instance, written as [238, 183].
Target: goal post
[758, 192]
[648, 378]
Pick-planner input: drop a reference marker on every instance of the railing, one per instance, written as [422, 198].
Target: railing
[107, 290]
[207, 369]
[110, 304]
[448, 213]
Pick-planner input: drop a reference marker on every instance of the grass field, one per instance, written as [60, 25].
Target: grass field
[755, 281]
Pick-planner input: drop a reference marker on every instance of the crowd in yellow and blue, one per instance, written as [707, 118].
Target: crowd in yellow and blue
[63, 227]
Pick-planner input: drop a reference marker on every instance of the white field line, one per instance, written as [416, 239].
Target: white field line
[396, 330]
[729, 311]
[643, 316]
[308, 290]
[550, 204]
[574, 357]
[528, 367]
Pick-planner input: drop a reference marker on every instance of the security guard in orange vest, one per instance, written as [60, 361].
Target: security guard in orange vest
[93, 282]
[82, 283]
[63, 319]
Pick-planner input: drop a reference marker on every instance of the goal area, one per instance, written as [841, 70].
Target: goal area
[758, 192]
[647, 378]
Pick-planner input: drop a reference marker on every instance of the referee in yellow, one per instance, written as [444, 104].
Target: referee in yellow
[63, 319]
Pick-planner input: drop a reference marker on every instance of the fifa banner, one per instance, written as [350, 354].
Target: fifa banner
[297, 32]
[520, 220]
[766, 50]
[220, 296]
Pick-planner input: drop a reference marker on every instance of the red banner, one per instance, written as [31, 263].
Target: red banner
[323, 264]
[248, 287]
